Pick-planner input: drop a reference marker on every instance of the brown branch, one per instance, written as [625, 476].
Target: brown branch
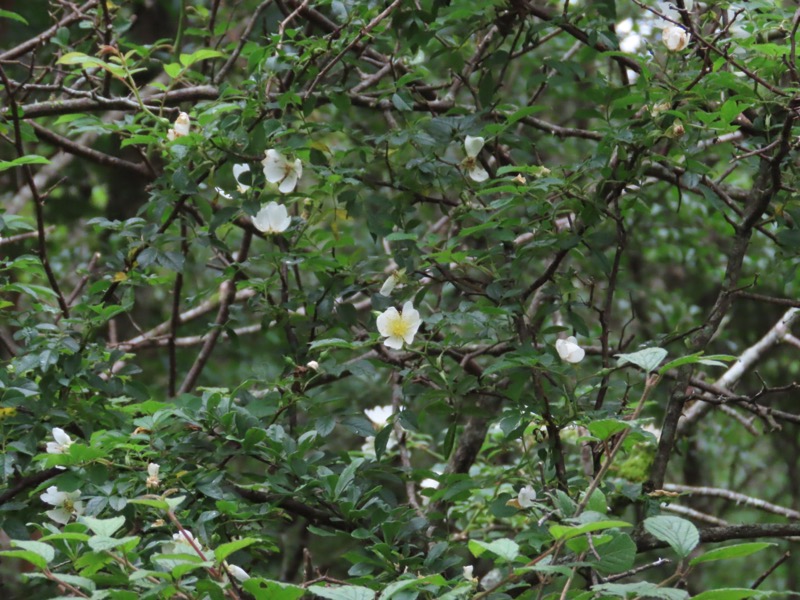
[222, 317]
[32, 43]
[27, 482]
[91, 154]
[38, 200]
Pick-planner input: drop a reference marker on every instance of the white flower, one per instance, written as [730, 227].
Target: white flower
[237, 572]
[66, 504]
[180, 128]
[278, 169]
[468, 572]
[62, 442]
[398, 328]
[388, 286]
[675, 38]
[670, 10]
[379, 415]
[569, 350]
[473, 146]
[272, 218]
[526, 496]
[312, 364]
[152, 475]
[368, 447]
[237, 171]
[429, 483]
[223, 193]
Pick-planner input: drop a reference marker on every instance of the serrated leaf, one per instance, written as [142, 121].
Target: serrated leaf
[100, 543]
[605, 428]
[223, 551]
[616, 556]
[347, 477]
[31, 557]
[391, 589]
[504, 548]
[642, 589]
[681, 535]
[344, 592]
[265, 589]
[150, 502]
[565, 532]
[735, 551]
[737, 594]
[106, 527]
[647, 359]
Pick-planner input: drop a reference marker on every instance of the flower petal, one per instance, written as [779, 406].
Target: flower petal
[393, 342]
[289, 182]
[274, 166]
[478, 173]
[473, 145]
[385, 320]
[61, 437]
[237, 172]
[53, 497]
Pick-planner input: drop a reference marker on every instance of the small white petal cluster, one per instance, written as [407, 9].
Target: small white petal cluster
[429, 483]
[237, 572]
[398, 328]
[278, 169]
[388, 286]
[272, 218]
[526, 496]
[180, 128]
[61, 444]
[473, 147]
[66, 504]
[468, 572]
[675, 38]
[569, 350]
[152, 475]
[379, 415]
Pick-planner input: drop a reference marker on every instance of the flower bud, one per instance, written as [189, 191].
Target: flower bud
[675, 38]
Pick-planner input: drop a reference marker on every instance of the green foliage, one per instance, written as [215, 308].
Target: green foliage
[396, 300]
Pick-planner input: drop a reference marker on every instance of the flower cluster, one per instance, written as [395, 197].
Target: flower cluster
[180, 128]
[569, 350]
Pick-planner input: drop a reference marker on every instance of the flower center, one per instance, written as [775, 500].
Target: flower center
[398, 327]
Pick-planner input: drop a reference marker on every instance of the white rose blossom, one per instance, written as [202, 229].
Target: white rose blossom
[473, 147]
[379, 415]
[569, 350]
[429, 483]
[272, 218]
[152, 475]
[526, 496]
[61, 444]
[468, 572]
[675, 38]
[180, 128]
[66, 504]
[278, 169]
[398, 328]
[237, 572]
[180, 545]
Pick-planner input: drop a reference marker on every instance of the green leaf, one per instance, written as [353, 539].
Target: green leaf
[616, 556]
[737, 594]
[265, 589]
[105, 527]
[31, 557]
[187, 60]
[173, 70]
[564, 532]
[37, 553]
[735, 551]
[391, 589]
[344, 592]
[347, 476]
[100, 543]
[7, 14]
[605, 428]
[223, 551]
[30, 159]
[643, 589]
[150, 502]
[504, 548]
[680, 534]
[647, 359]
